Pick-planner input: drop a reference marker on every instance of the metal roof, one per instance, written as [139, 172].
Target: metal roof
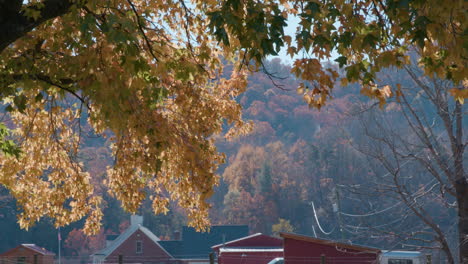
[197, 245]
[237, 240]
[32, 247]
[277, 261]
[39, 249]
[329, 242]
[250, 249]
[174, 247]
[401, 254]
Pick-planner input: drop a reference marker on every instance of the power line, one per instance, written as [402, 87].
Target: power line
[318, 223]
[313, 229]
[400, 202]
[372, 213]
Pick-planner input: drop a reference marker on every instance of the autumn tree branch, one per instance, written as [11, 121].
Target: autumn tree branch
[14, 24]
[142, 31]
[422, 161]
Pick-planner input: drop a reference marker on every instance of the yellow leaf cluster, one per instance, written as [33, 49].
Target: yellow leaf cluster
[149, 77]
[321, 81]
[362, 36]
[47, 179]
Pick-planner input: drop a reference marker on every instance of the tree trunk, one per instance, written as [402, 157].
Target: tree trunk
[461, 185]
[14, 24]
[462, 199]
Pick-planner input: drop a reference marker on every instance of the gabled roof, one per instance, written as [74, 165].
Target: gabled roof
[34, 248]
[39, 249]
[197, 245]
[124, 236]
[328, 242]
[256, 240]
[226, 244]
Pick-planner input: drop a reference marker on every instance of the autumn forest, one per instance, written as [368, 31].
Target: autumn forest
[342, 120]
[291, 172]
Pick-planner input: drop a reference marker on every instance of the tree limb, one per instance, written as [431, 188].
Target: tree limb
[14, 25]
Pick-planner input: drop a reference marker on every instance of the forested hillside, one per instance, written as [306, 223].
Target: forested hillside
[296, 171]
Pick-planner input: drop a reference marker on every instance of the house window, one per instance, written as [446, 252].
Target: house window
[21, 260]
[139, 246]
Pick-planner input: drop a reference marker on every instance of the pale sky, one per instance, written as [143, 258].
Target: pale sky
[293, 23]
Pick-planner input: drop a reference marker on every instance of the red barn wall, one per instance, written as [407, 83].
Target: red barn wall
[245, 255]
[18, 252]
[151, 251]
[300, 252]
[248, 257]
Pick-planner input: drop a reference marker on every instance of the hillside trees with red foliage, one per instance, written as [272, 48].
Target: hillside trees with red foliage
[80, 244]
[294, 156]
[290, 143]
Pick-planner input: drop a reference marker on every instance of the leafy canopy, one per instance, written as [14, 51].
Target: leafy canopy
[148, 76]
[366, 35]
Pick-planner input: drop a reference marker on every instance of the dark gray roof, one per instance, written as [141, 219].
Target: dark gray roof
[174, 247]
[197, 245]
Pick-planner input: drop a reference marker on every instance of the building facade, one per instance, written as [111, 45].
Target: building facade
[253, 249]
[139, 245]
[27, 254]
[300, 249]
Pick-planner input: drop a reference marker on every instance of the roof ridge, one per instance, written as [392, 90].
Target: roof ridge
[154, 238]
[237, 240]
[327, 242]
[118, 241]
[37, 249]
[125, 235]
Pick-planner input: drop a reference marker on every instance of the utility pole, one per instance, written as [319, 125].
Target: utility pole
[59, 242]
[340, 222]
[212, 259]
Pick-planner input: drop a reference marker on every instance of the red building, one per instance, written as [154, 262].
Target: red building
[27, 254]
[138, 245]
[299, 249]
[254, 249]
